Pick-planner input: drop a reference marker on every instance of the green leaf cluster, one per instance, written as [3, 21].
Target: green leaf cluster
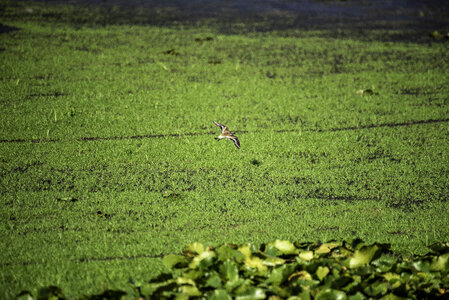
[286, 270]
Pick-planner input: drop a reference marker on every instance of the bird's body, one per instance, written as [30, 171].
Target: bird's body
[226, 134]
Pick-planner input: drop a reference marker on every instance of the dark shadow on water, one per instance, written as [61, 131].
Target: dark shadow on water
[254, 162]
[7, 29]
[351, 17]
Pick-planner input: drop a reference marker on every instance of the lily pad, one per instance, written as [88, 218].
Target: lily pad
[322, 272]
[252, 293]
[195, 248]
[286, 247]
[363, 256]
[202, 260]
[229, 271]
[441, 264]
[173, 260]
[330, 294]
[220, 295]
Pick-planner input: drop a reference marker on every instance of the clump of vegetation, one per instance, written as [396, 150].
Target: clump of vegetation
[286, 270]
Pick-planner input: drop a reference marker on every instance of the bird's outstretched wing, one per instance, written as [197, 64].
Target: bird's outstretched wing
[223, 127]
[236, 141]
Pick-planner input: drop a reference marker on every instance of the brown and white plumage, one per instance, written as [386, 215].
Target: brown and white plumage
[225, 133]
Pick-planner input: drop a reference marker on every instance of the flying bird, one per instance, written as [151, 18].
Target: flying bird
[225, 133]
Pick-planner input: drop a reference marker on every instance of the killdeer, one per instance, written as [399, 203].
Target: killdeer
[225, 133]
